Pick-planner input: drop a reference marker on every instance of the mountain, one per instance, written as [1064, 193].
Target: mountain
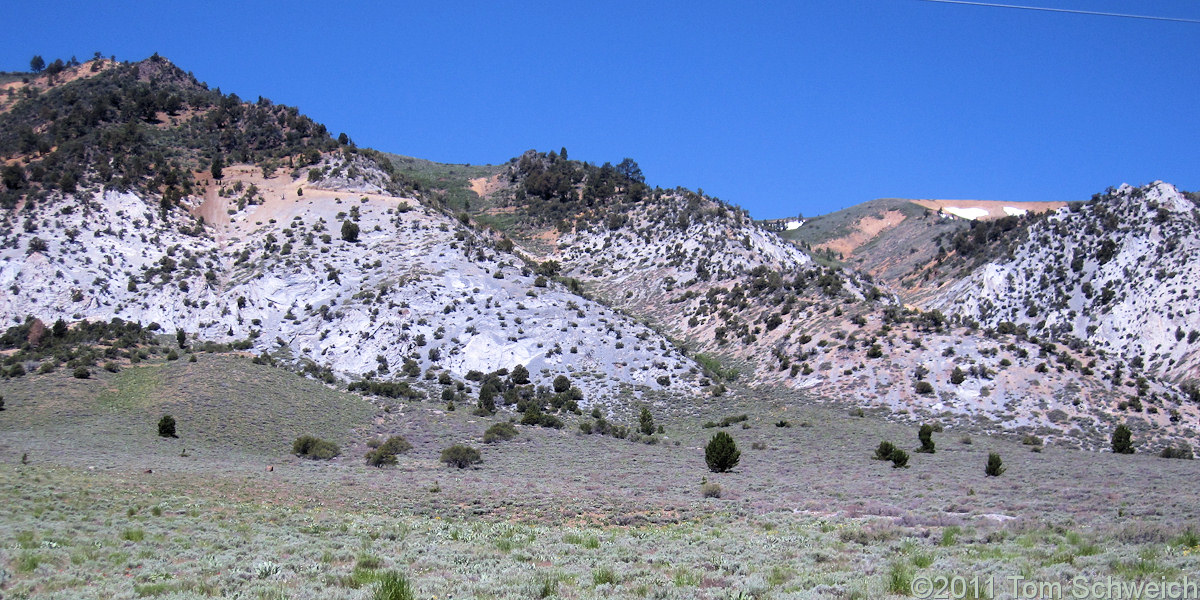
[134, 192]
[741, 298]
[314, 254]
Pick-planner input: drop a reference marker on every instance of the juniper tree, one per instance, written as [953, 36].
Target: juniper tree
[721, 453]
[647, 421]
[166, 427]
[1122, 440]
[994, 467]
[926, 436]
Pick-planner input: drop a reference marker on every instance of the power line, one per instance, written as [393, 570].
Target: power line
[1066, 10]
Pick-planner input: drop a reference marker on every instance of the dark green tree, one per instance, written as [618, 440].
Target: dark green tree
[1122, 440]
[995, 466]
[884, 451]
[181, 338]
[646, 421]
[166, 427]
[561, 384]
[218, 164]
[13, 176]
[519, 375]
[925, 434]
[37, 63]
[721, 453]
[899, 459]
[350, 231]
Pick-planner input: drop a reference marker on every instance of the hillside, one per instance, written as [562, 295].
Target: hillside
[329, 266]
[250, 226]
[1115, 274]
[748, 304]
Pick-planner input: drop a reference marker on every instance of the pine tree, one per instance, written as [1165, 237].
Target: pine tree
[37, 63]
[350, 231]
[721, 453]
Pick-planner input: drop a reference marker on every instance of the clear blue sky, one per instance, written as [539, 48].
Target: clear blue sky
[783, 108]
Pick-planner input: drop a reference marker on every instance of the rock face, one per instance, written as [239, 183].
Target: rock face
[412, 285]
[1118, 274]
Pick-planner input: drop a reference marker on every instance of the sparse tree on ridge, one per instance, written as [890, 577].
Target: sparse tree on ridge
[37, 63]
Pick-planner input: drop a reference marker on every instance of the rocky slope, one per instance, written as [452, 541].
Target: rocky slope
[248, 224]
[1117, 274]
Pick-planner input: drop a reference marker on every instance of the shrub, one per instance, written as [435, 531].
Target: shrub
[350, 231]
[995, 466]
[307, 446]
[924, 388]
[82, 373]
[783, 423]
[900, 579]
[166, 427]
[1122, 440]
[710, 489]
[393, 586]
[721, 453]
[386, 453]
[899, 459]
[1031, 440]
[499, 432]
[460, 456]
[1184, 451]
[925, 434]
[884, 451]
[957, 376]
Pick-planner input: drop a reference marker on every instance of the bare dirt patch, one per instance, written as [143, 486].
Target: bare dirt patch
[486, 186]
[866, 230]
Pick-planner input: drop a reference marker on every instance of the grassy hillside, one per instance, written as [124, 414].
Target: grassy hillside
[449, 183]
[224, 406]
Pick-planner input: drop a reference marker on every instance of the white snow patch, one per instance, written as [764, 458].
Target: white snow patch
[793, 225]
[1013, 211]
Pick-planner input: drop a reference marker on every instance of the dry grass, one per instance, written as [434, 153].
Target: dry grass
[549, 514]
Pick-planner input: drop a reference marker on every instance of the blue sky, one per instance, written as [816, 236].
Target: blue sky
[780, 107]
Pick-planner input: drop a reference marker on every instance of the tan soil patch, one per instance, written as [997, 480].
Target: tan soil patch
[995, 208]
[486, 186]
[279, 197]
[868, 228]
